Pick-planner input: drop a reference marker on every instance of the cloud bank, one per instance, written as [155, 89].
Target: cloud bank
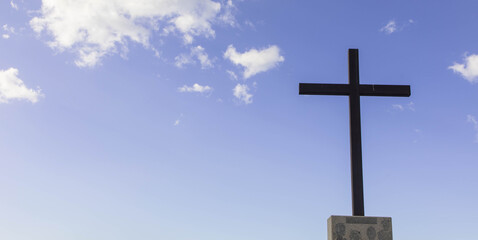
[96, 28]
[13, 88]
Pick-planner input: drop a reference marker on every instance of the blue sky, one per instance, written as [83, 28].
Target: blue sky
[181, 120]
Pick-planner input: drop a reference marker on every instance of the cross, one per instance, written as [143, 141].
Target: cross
[354, 90]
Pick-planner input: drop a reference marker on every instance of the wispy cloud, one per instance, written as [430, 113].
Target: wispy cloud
[13, 5]
[13, 88]
[468, 69]
[472, 119]
[202, 56]
[228, 15]
[8, 30]
[250, 24]
[418, 135]
[195, 88]
[232, 74]
[255, 61]
[178, 121]
[182, 59]
[197, 52]
[400, 107]
[241, 92]
[392, 26]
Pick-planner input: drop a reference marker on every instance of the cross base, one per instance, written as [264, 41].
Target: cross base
[359, 228]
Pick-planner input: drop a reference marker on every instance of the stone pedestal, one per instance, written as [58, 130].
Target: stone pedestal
[359, 228]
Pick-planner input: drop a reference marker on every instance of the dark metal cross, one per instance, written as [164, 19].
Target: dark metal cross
[354, 90]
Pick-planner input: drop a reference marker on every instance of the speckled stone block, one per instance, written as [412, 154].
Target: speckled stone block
[359, 228]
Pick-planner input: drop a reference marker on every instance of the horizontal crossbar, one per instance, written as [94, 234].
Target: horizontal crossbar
[323, 89]
[344, 89]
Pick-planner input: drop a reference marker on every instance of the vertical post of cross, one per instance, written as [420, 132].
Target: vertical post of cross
[355, 135]
[354, 90]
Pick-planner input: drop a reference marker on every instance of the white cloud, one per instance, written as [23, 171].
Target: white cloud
[471, 119]
[12, 87]
[228, 16]
[202, 56]
[83, 26]
[195, 88]
[8, 29]
[197, 52]
[241, 93]
[13, 5]
[255, 61]
[469, 69]
[183, 59]
[390, 28]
